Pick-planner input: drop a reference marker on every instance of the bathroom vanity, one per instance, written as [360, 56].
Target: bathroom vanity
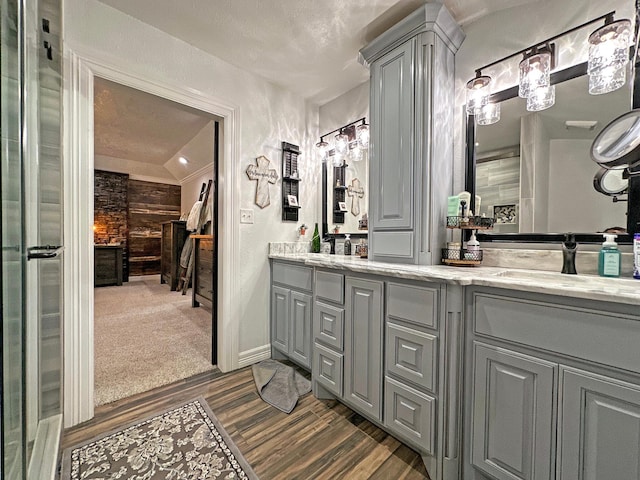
[488, 373]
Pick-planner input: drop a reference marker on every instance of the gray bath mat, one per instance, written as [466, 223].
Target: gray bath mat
[279, 385]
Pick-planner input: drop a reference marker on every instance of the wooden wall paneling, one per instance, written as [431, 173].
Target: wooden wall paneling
[150, 204]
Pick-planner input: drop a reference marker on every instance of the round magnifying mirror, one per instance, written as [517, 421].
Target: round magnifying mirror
[616, 145]
[611, 181]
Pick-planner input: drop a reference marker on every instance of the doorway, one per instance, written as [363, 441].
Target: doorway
[152, 159]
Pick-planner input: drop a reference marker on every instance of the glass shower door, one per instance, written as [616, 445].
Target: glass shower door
[14, 454]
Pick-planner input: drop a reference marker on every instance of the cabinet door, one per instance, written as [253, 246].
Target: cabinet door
[599, 428]
[513, 405]
[363, 346]
[392, 123]
[280, 303]
[300, 329]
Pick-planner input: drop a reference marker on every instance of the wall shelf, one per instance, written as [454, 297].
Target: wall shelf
[290, 184]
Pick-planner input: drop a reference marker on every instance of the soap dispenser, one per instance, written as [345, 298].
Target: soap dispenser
[609, 257]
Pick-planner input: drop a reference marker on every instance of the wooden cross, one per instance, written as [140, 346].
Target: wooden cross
[264, 175]
[356, 192]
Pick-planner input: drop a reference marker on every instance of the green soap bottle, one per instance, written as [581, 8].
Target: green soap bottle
[315, 241]
[609, 257]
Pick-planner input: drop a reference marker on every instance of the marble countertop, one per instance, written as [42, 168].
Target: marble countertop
[618, 290]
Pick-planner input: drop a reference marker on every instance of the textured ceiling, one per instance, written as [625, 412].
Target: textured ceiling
[138, 126]
[309, 47]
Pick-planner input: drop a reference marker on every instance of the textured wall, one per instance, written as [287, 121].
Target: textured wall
[150, 204]
[267, 115]
[110, 207]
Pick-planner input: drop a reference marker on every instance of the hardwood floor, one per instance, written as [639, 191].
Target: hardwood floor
[320, 439]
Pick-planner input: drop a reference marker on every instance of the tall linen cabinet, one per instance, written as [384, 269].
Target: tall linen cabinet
[411, 147]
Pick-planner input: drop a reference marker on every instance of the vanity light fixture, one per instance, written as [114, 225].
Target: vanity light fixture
[488, 114]
[608, 56]
[342, 143]
[350, 140]
[607, 66]
[535, 70]
[478, 92]
[541, 98]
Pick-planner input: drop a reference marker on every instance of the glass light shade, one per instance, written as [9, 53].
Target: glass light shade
[489, 114]
[541, 99]
[535, 72]
[478, 92]
[338, 159]
[607, 80]
[322, 147]
[609, 46]
[362, 134]
[342, 144]
[356, 154]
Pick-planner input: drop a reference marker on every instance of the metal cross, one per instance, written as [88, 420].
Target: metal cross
[264, 175]
[356, 192]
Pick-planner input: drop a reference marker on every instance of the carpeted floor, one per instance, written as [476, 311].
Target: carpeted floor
[146, 336]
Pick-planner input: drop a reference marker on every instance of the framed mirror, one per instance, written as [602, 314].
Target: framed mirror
[345, 195]
[533, 170]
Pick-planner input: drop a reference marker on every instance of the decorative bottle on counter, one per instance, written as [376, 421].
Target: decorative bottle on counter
[315, 241]
[347, 245]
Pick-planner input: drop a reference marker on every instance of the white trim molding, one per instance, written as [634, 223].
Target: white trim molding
[201, 171]
[78, 163]
[254, 355]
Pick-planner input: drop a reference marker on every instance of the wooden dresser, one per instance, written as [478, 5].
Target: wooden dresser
[107, 265]
[202, 276]
[174, 234]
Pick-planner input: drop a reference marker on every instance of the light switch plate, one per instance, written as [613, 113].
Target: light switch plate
[246, 215]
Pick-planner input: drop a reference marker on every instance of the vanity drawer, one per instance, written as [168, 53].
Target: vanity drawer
[330, 286]
[413, 304]
[328, 368]
[410, 415]
[328, 325]
[294, 276]
[598, 336]
[412, 355]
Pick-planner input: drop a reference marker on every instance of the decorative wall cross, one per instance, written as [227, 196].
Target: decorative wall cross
[356, 192]
[264, 174]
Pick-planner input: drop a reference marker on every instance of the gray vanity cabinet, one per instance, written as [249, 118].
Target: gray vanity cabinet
[291, 311]
[328, 333]
[392, 105]
[412, 83]
[554, 387]
[363, 345]
[513, 400]
[599, 428]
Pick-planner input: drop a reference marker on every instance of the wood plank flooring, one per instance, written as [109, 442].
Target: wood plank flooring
[320, 439]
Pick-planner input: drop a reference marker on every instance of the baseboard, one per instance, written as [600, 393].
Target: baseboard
[255, 355]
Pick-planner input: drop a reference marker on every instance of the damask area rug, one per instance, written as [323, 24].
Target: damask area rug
[185, 442]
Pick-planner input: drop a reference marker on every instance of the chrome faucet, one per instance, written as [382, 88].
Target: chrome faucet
[569, 247]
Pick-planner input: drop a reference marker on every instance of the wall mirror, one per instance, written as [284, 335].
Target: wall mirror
[533, 170]
[345, 194]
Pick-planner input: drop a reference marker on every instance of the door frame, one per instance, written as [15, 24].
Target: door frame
[80, 68]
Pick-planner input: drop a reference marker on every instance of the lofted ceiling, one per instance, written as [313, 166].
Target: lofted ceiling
[315, 42]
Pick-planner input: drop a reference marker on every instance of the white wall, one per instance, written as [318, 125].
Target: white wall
[344, 109]
[267, 115]
[507, 31]
[570, 165]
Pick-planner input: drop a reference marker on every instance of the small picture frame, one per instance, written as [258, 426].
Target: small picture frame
[292, 200]
[342, 206]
